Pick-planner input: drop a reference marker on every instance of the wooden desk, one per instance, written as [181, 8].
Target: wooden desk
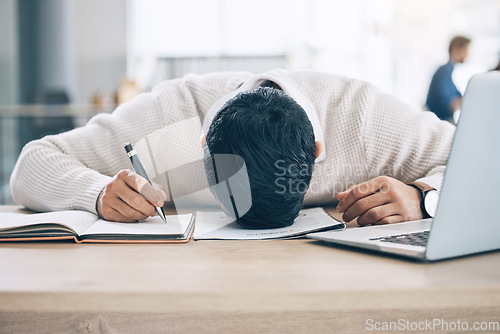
[234, 287]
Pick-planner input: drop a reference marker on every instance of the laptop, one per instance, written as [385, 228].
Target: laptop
[467, 219]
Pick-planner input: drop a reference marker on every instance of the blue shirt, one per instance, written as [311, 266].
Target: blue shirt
[442, 91]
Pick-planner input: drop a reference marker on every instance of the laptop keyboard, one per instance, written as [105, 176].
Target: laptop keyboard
[415, 239]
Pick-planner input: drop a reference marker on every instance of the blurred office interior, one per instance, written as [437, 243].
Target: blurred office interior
[63, 61]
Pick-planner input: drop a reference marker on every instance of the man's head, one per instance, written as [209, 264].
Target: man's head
[459, 48]
[274, 136]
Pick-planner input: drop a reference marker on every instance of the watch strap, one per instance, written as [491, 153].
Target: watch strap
[423, 188]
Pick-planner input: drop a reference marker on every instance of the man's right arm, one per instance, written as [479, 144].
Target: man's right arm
[69, 170]
[72, 170]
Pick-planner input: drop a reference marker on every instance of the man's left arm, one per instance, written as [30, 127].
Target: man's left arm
[402, 145]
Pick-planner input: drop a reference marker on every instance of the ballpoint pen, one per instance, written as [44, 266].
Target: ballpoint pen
[139, 169]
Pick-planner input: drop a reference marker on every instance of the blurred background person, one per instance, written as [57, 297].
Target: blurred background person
[444, 98]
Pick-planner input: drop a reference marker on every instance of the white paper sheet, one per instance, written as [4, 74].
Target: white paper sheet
[216, 225]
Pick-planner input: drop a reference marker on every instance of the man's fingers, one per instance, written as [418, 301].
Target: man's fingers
[129, 212]
[342, 194]
[363, 205]
[152, 195]
[115, 209]
[124, 189]
[124, 198]
[161, 190]
[136, 204]
[359, 191]
[130, 178]
[142, 186]
[377, 214]
[128, 202]
[118, 217]
[382, 200]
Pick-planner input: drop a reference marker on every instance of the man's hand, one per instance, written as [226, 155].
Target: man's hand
[128, 198]
[382, 200]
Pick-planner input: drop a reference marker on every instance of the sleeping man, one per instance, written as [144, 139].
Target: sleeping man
[306, 138]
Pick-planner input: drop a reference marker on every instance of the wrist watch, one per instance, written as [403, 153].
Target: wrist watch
[429, 198]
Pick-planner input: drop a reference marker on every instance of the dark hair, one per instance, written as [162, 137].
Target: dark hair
[274, 136]
[458, 42]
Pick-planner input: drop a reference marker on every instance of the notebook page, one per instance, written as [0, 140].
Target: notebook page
[175, 225]
[216, 225]
[73, 220]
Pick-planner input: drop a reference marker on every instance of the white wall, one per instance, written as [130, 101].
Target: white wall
[8, 53]
[395, 44]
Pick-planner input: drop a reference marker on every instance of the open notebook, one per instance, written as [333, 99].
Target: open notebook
[83, 226]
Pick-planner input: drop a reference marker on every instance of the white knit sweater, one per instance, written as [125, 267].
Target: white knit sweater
[366, 133]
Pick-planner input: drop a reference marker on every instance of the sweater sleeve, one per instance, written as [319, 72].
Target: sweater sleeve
[68, 171]
[403, 142]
